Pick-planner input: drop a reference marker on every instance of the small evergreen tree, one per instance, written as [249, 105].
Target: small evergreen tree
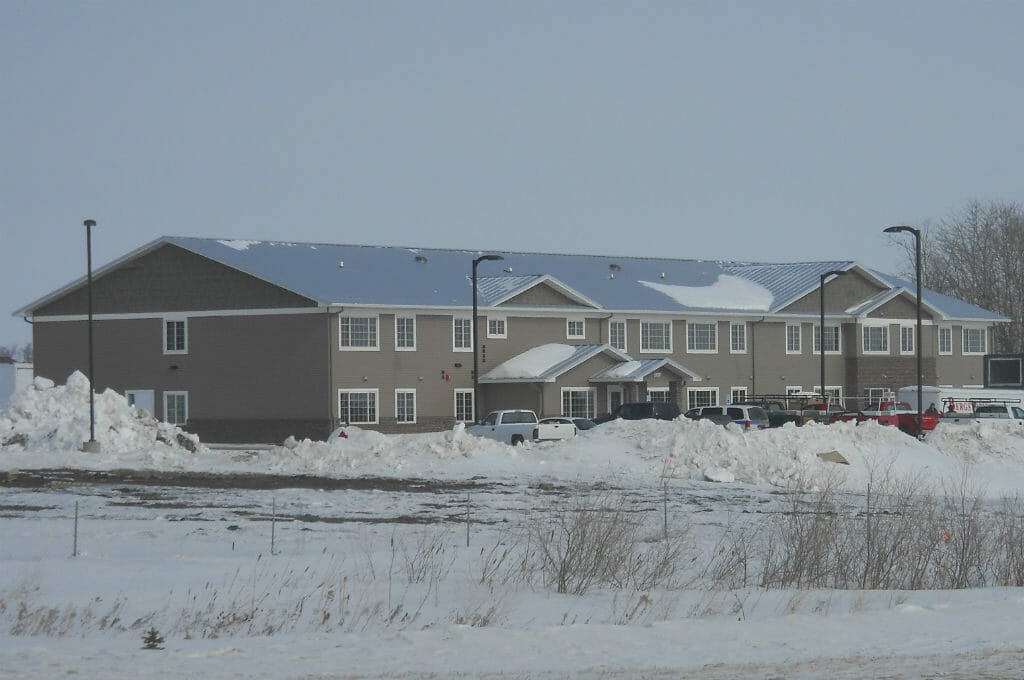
[152, 639]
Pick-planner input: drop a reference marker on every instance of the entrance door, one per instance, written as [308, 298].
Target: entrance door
[140, 399]
[614, 398]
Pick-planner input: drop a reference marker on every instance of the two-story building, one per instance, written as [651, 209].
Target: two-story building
[254, 341]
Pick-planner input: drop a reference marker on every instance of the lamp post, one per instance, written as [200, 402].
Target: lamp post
[917, 339]
[821, 336]
[476, 345]
[91, 446]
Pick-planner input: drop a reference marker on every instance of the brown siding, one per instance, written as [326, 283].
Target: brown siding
[249, 378]
[900, 308]
[542, 295]
[172, 279]
[841, 293]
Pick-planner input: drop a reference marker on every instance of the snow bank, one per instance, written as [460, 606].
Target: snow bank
[48, 417]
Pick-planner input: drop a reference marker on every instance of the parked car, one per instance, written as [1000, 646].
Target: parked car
[985, 409]
[556, 427]
[583, 423]
[642, 410]
[781, 408]
[746, 416]
[517, 426]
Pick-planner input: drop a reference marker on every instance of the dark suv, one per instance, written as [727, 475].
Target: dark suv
[642, 410]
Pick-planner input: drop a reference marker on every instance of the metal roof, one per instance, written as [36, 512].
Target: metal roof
[637, 370]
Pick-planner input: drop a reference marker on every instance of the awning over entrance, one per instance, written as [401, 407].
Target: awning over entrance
[637, 370]
[544, 364]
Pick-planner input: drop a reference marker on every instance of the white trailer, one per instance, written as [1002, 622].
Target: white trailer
[956, 399]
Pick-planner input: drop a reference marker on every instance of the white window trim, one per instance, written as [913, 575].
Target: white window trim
[405, 349]
[913, 335]
[734, 388]
[963, 341]
[455, 404]
[743, 325]
[376, 404]
[656, 351]
[471, 338]
[794, 389]
[575, 319]
[504, 324]
[593, 400]
[974, 387]
[837, 388]
[657, 390]
[938, 340]
[625, 332]
[691, 390]
[176, 393]
[885, 330]
[839, 338]
[174, 319]
[368, 348]
[713, 350]
[799, 338]
[415, 405]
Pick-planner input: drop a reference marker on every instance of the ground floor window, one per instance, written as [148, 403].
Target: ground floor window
[578, 402]
[873, 395]
[176, 407]
[464, 406]
[405, 406]
[737, 395]
[357, 407]
[657, 394]
[701, 396]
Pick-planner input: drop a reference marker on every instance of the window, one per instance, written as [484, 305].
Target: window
[737, 395]
[357, 333]
[906, 339]
[833, 392]
[657, 394]
[462, 334]
[575, 329]
[464, 406]
[737, 338]
[873, 395]
[876, 339]
[794, 389]
[496, 327]
[176, 407]
[974, 341]
[405, 333]
[792, 338]
[701, 337]
[655, 336]
[945, 340]
[357, 407]
[175, 336]
[617, 334]
[578, 402]
[405, 406]
[831, 339]
[701, 396]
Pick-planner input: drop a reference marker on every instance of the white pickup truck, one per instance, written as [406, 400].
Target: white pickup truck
[985, 409]
[516, 426]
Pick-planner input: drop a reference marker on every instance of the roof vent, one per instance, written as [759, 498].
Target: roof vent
[341, 264]
[661, 275]
[422, 259]
[507, 270]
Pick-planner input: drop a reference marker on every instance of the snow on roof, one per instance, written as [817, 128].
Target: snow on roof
[727, 292]
[532, 363]
[637, 370]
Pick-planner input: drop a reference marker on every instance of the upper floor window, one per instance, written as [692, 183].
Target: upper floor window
[175, 336]
[358, 332]
[462, 334]
[831, 339]
[655, 336]
[906, 339]
[617, 334]
[792, 338]
[974, 341]
[876, 339]
[575, 329]
[405, 333]
[497, 327]
[701, 336]
[945, 340]
[737, 338]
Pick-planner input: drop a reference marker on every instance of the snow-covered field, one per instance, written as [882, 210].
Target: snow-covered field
[371, 575]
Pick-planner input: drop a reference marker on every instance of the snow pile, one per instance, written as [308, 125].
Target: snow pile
[45, 417]
[989, 438]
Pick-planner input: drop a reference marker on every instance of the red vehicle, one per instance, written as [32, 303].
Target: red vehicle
[900, 414]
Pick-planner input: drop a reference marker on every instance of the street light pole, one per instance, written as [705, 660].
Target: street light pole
[476, 345]
[917, 339]
[91, 446]
[821, 335]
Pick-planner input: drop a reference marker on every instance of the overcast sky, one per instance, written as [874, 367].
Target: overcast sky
[769, 131]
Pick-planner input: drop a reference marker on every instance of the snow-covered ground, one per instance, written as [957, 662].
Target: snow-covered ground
[379, 581]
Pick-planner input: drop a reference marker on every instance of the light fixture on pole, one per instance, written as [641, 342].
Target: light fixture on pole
[821, 336]
[476, 345]
[91, 446]
[917, 338]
